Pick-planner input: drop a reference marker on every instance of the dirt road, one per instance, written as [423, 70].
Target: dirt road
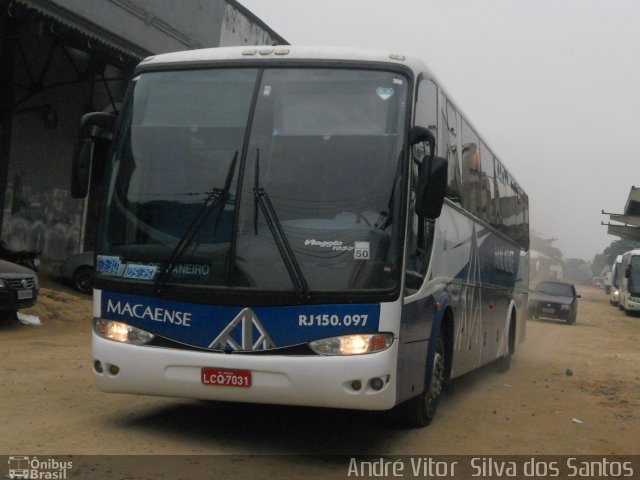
[571, 390]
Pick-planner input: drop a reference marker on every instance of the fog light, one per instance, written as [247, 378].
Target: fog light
[377, 383]
[356, 385]
[97, 366]
[114, 370]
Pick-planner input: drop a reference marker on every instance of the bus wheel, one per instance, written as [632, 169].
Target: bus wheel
[420, 411]
[505, 360]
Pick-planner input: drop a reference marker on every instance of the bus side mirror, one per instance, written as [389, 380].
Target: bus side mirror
[421, 134]
[432, 186]
[627, 272]
[81, 165]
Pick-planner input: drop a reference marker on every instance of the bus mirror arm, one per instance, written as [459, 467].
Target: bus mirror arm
[96, 119]
[81, 165]
[432, 185]
[81, 168]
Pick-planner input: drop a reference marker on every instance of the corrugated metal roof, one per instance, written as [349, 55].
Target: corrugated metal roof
[90, 30]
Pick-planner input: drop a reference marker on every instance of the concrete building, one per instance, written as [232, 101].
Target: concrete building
[63, 58]
[627, 223]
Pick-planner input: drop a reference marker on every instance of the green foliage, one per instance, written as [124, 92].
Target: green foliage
[545, 245]
[600, 260]
[577, 271]
[618, 247]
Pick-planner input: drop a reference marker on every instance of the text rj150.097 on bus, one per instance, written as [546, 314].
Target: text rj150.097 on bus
[302, 226]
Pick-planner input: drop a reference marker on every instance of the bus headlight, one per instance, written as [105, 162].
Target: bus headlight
[121, 332]
[352, 344]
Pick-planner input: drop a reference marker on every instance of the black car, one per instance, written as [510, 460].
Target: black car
[18, 288]
[553, 299]
[79, 269]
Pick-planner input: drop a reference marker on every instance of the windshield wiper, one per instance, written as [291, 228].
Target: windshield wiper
[217, 197]
[277, 232]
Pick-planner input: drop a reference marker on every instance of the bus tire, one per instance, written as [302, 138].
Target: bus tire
[420, 411]
[505, 360]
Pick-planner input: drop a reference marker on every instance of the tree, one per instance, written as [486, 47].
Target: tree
[577, 271]
[600, 260]
[544, 245]
[618, 247]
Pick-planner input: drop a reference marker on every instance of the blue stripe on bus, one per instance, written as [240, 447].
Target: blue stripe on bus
[220, 327]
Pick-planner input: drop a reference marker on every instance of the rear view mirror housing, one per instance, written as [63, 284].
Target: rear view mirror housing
[432, 186]
[81, 165]
[432, 176]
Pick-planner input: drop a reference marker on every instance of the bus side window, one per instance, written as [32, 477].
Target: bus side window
[501, 193]
[418, 234]
[525, 225]
[471, 171]
[449, 148]
[426, 114]
[487, 194]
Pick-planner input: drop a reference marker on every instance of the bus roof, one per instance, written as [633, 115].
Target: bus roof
[282, 52]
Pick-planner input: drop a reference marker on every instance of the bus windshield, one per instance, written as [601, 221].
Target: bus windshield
[229, 172]
[617, 274]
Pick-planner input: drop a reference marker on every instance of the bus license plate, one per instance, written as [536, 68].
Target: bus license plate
[24, 294]
[223, 377]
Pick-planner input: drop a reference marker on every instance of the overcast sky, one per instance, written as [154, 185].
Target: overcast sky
[552, 85]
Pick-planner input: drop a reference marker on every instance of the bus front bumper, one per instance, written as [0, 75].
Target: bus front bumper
[319, 381]
[632, 304]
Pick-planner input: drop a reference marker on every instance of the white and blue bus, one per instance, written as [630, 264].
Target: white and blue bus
[617, 275]
[629, 288]
[301, 226]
